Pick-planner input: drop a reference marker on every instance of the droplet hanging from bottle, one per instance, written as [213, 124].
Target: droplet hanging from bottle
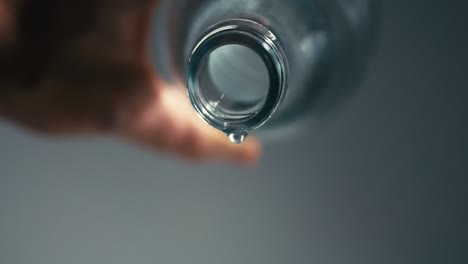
[237, 137]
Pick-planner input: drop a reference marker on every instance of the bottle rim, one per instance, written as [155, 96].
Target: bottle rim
[264, 43]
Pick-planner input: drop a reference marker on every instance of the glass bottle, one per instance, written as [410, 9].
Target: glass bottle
[249, 63]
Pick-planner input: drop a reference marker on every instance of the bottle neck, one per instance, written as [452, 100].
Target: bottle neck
[237, 76]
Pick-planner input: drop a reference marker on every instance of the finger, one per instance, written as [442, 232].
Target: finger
[171, 125]
[199, 140]
[209, 144]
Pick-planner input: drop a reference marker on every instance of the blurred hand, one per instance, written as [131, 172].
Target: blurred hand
[81, 67]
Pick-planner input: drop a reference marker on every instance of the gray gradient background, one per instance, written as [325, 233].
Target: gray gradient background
[384, 181]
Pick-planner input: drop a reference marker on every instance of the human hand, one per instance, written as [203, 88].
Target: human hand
[81, 67]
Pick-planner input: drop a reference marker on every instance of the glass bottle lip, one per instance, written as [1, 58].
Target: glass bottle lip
[251, 35]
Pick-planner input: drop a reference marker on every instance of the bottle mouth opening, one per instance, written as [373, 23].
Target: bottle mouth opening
[236, 76]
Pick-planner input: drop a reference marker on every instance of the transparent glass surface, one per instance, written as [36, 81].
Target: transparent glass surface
[236, 76]
[317, 51]
[233, 81]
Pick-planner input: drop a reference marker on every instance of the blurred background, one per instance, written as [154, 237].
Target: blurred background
[382, 181]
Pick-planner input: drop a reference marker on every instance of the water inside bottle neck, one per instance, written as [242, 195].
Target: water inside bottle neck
[236, 77]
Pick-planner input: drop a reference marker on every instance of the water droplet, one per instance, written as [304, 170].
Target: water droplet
[237, 137]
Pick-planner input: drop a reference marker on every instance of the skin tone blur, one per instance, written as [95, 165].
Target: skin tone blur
[81, 68]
